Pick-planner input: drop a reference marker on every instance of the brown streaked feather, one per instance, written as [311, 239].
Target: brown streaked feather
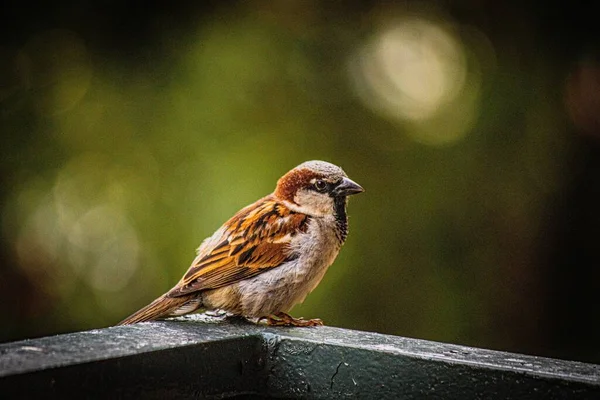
[253, 241]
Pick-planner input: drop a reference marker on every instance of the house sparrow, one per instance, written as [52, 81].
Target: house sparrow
[269, 255]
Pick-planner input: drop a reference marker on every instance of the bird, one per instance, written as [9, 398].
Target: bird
[270, 255]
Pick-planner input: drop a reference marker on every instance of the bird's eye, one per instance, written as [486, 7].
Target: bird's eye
[321, 185]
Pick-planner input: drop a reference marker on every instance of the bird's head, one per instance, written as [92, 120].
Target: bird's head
[315, 187]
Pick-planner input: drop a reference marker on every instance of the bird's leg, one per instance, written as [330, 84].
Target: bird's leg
[283, 319]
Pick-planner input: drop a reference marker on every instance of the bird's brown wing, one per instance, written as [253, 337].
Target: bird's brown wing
[253, 241]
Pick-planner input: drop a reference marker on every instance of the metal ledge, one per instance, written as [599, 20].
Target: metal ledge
[206, 357]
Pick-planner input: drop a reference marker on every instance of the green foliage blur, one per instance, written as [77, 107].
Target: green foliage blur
[130, 133]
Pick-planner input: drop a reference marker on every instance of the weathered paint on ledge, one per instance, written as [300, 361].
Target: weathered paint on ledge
[208, 357]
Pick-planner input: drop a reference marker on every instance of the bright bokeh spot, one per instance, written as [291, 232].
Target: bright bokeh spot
[103, 248]
[415, 71]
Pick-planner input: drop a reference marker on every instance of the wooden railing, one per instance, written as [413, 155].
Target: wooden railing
[202, 357]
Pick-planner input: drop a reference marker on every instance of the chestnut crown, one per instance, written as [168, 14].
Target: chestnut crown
[313, 187]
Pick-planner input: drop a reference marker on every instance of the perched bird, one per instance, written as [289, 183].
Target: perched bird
[269, 255]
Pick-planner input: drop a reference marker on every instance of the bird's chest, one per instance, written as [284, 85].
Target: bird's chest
[287, 285]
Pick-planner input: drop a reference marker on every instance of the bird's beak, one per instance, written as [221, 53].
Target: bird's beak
[347, 187]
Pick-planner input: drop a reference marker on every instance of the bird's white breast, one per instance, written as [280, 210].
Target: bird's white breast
[287, 285]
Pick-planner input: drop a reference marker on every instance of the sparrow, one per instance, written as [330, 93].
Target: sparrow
[270, 255]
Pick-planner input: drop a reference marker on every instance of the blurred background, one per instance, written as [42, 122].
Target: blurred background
[131, 131]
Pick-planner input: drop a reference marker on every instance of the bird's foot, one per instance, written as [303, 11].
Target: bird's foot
[283, 319]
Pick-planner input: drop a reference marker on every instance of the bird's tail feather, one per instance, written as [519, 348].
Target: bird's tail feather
[164, 306]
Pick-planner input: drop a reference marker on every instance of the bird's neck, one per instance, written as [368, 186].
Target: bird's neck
[341, 219]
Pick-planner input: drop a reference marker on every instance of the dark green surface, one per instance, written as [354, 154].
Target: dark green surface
[205, 357]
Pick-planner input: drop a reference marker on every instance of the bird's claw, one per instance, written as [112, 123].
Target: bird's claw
[283, 319]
